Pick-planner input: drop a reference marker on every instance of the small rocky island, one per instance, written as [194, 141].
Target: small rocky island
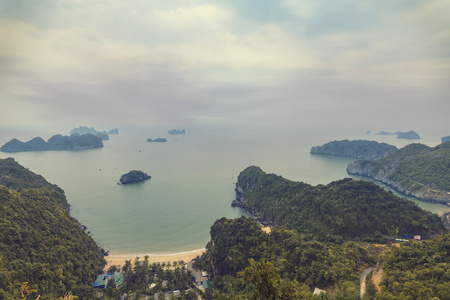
[157, 140]
[134, 176]
[360, 149]
[175, 131]
[56, 142]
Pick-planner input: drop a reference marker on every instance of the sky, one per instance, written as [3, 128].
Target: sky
[240, 64]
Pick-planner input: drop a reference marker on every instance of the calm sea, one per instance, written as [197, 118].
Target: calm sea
[192, 184]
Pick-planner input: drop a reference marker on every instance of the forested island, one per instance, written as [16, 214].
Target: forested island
[56, 142]
[360, 149]
[44, 252]
[134, 176]
[415, 170]
[346, 209]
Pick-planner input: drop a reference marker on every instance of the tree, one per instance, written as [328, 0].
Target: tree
[266, 284]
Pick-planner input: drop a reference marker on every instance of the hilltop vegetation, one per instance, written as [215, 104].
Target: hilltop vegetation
[247, 263]
[343, 210]
[312, 263]
[42, 248]
[417, 270]
[415, 170]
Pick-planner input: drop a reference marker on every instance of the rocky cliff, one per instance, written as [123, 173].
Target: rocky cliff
[361, 149]
[415, 170]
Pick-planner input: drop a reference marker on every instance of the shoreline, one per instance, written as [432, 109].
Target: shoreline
[119, 259]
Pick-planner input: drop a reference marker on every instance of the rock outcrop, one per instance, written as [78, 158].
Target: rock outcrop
[361, 149]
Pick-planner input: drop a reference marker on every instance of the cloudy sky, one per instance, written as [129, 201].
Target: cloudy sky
[255, 63]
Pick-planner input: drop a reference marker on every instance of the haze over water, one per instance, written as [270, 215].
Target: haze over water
[192, 184]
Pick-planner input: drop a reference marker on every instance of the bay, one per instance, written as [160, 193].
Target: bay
[192, 184]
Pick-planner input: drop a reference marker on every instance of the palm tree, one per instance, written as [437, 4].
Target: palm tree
[25, 290]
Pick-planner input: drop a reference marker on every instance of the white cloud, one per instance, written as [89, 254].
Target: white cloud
[197, 56]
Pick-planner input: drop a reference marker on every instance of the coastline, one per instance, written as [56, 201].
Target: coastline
[119, 259]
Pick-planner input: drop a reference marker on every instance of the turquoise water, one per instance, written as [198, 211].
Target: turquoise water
[192, 182]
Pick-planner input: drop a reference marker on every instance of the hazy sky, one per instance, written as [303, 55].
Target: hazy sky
[258, 63]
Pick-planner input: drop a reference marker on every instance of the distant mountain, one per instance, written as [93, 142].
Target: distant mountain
[175, 131]
[56, 142]
[415, 170]
[114, 131]
[347, 209]
[101, 134]
[41, 246]
[361, 149]
[385, 133]
[410, 135]
[445, 139]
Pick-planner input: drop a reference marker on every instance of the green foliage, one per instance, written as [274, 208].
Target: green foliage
[16, 177]
[235, 242]
[417, 270]
[40, 243]
[347, 209]
[140, 275]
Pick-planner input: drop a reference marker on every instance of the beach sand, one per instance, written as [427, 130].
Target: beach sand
[119, 259]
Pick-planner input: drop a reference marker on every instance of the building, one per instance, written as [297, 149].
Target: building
[206, 284]
[318, 291]
[102, 279]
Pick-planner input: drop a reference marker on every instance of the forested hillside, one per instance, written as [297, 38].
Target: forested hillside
[43, 250]
[311, 263]
[415, 170]
[347, 209]
[417, 270]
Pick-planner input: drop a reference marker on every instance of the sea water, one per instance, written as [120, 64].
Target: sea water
[192, 184]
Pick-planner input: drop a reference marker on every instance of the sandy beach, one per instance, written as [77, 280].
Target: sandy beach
[119, 259]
